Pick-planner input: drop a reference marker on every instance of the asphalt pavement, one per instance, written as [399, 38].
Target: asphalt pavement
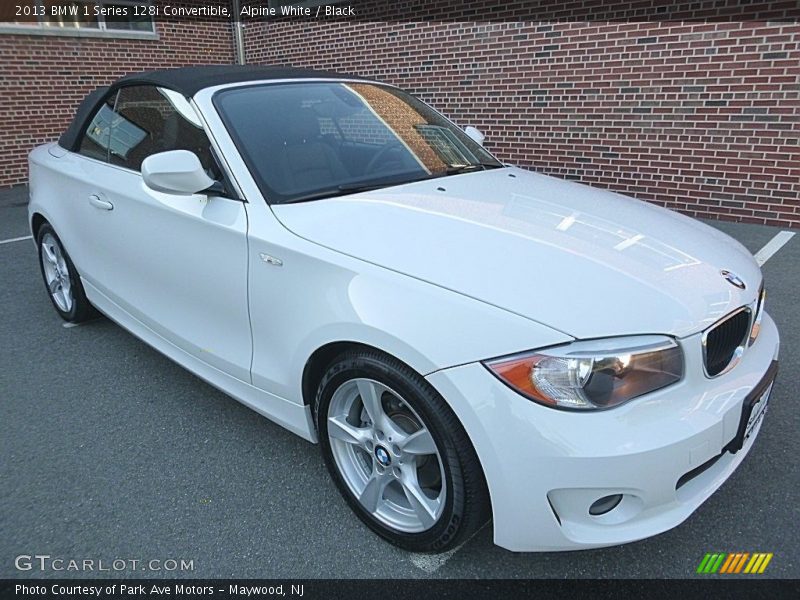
[110, 451]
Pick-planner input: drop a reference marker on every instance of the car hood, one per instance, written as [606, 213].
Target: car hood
[584, 261]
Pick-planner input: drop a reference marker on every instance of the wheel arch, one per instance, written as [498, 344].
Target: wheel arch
[37, 220]
[319, 360]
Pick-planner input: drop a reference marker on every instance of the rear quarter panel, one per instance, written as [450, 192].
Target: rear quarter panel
[57, 183]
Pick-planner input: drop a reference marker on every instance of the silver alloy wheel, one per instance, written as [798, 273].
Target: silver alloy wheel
[386, 455]
[56, 273]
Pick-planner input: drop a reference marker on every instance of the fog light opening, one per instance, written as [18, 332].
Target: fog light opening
[605, 505]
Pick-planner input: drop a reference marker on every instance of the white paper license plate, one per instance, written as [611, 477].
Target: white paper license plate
[758, 412]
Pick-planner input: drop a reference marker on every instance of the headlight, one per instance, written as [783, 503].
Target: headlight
[756, 328]
[593, 374]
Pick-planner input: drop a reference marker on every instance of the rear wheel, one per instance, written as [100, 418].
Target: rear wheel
[61, 278]
[398, 454]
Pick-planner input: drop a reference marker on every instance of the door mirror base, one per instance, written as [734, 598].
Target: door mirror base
[218, 188]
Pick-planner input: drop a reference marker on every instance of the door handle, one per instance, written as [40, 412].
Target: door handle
[98, 202]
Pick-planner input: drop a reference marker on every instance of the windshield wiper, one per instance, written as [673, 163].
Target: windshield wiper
[468, 168]
[365, 186]
[318, 195]
[375, 184]
[352, 188]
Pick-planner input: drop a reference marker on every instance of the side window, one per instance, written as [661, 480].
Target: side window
[142, 120]
[145, 121]
[96, 140]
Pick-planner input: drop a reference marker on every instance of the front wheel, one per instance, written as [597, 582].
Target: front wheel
[398, 454]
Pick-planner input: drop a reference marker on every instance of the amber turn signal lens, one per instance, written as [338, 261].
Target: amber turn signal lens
[517, 373]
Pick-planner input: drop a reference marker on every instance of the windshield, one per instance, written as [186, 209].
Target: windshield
[305, 141]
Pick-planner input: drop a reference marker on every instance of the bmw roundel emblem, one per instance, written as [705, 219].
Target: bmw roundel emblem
[733, 279]
[383, 456]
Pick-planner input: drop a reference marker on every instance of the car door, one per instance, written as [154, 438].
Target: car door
[177, 264]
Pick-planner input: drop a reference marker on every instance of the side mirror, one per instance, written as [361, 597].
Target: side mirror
[175, 172]
[475, 134]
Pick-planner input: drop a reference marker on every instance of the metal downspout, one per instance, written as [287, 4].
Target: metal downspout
[238, 32]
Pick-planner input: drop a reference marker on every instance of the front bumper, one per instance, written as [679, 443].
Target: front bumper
[545, 467]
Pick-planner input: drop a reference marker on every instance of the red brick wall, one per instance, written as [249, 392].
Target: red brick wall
[699, 117]
[43, 78]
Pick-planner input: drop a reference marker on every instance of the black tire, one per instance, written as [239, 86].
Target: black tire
[81, 309]
[466, 506]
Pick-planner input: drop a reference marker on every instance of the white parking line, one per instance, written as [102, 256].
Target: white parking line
[430, 563]
[773, 246]
[19, 239]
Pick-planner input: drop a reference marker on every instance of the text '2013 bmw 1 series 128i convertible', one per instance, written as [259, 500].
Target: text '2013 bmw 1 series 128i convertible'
[466, 340]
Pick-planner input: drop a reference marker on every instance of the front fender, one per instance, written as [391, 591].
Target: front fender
[321, 297]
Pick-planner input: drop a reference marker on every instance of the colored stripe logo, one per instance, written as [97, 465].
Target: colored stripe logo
[738, 562]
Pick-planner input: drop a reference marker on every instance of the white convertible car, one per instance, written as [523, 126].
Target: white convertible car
[466, 340]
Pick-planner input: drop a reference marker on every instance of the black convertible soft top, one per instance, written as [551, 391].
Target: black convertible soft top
[187, 81]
